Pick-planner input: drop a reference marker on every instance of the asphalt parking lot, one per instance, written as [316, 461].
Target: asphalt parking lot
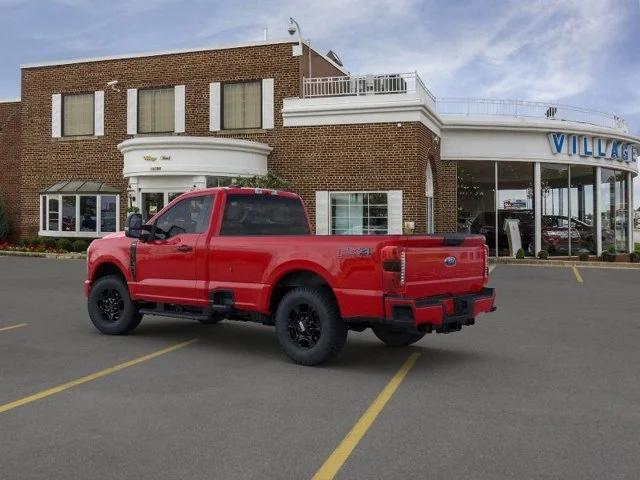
[546, 387]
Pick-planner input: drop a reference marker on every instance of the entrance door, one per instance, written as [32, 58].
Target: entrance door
[166, 265]
[152, 203]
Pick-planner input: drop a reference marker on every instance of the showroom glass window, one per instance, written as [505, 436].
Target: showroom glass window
[77, 115]
[477, 201]
[359, 213]
[515, 206]
[554, 190]
[79, 215]
[614, 195]
[156, 110]
[242, 105]
[582, 204]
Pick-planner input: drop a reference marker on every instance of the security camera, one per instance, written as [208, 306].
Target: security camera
[112, 84]
[291, 29]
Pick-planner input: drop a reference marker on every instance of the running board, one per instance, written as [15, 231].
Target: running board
[176, 314]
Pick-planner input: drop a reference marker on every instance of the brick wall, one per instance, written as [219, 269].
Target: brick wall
[341, 157]
[10, 158]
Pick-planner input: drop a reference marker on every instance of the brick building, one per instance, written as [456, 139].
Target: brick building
[369, 154]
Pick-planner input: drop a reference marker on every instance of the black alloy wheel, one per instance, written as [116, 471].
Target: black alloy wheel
[309, 327]
[110, 307]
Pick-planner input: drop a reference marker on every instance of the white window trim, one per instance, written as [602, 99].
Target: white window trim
[388, 193]
[77, 234]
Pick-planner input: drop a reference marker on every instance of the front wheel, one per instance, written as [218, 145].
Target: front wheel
[110, 307]
[309, 327]
[397, 339]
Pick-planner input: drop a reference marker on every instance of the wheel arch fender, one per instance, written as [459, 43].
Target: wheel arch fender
[109, 266]
[292, 274]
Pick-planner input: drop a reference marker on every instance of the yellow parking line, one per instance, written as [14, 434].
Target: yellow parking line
[335, 461]
[11, 327]
[94, 376]
[577, 274]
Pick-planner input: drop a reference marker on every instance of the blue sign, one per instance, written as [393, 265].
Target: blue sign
[592, 146]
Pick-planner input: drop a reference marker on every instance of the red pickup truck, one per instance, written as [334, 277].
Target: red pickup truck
[248, 254]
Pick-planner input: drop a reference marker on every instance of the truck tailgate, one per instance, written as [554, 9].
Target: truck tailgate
[444, 265]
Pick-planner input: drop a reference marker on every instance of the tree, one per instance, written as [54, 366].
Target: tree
[4, 221]
[268, 181]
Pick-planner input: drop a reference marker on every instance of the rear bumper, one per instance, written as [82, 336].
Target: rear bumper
[443, 314]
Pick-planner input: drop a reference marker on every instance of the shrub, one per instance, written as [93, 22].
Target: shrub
[611, 250]
[583, 256]
[49, 242]
[133, 210]
[5, 228]
[268, 181]
[79, 245]
[543, 254]
[520, 253]
[65, 244]
[634, 257]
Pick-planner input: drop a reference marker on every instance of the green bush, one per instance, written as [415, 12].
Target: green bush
[268, 181]
[543, 254]
[634, 257]
[611, 250]
[520, 253]
[49, 242]
[79, 245]
[5, 227]
[583, 256]
[65, 244]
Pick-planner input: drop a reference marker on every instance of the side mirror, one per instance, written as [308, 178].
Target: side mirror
[133, 226]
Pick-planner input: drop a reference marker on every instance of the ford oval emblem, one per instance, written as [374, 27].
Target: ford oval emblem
[450, 261]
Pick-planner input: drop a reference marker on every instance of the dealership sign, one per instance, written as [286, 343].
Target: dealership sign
[592, 146]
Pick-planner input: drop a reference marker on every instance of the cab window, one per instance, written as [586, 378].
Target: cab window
[190, 215]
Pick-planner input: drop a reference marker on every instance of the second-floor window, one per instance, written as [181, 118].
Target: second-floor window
[156, 110]
[242, 105]
[78, 114]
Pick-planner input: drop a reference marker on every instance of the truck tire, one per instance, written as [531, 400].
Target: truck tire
[395, 338]
[309, 327]
[110, 307]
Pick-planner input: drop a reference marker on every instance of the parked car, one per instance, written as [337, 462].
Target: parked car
[248, 254]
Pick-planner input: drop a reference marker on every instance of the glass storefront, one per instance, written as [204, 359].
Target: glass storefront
[515, 206]
[477, 200]
[568, 199]
[614, 213]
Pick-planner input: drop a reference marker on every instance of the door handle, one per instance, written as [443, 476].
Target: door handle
[184, 248]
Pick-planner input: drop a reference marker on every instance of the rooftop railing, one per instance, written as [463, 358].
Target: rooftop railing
[393, 83]
[523, 109]
[411, 83]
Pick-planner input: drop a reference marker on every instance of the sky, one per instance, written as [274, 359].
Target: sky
[576, 52]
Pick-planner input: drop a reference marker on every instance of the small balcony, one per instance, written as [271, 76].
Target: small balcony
[368, 85]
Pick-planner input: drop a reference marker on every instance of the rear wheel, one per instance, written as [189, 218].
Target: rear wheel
[397, 338]
[110, 307]
[309, 327]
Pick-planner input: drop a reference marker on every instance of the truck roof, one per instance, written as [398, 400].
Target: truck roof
[245, 191]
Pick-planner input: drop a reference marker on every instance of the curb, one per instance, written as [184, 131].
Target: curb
[55, 256]
[564, 263]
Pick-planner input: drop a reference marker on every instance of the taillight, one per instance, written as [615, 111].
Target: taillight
[486, 261]
[393, 268]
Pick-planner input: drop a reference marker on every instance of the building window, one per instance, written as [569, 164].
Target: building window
[477, 200]
[78, 115]
[429, 200]
[156, 110]
[359, 213]
[614, 212]
[242, 105]
[218, 181]
[79, 215]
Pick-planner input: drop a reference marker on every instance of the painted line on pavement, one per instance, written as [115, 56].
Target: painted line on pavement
[334, 463]
[577, 274]
[88, 378]
[11, 327]
[492, 268]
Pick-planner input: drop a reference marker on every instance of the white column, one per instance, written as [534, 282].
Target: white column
[598, 210]
[630, 212]
[537, 202]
